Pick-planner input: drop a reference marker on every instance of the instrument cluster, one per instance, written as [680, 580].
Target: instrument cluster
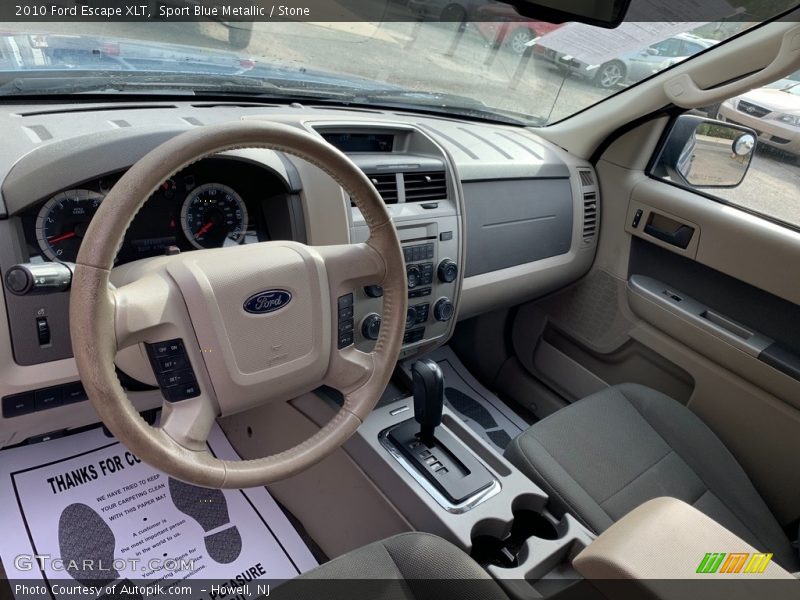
[214, 203]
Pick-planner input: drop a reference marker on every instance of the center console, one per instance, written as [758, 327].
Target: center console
[416, 180]
[446, 480]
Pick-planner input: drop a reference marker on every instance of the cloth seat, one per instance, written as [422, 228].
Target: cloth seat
[606, 454]
[408, 566]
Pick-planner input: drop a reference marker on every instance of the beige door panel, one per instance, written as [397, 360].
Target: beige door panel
[760, 429]
[751, 406]
[727, 343]
[733, 242]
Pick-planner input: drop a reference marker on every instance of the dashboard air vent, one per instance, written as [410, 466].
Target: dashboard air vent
[589, 216]
[587, 179]
[421, 187]
[386, 184]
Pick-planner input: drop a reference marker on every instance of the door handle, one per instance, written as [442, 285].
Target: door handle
[680, 237]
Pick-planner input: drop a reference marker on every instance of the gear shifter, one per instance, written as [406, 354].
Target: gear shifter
[438, 456]
[428, 383]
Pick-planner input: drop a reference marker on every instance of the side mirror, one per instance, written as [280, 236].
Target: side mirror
[651, 51]
[705, 153]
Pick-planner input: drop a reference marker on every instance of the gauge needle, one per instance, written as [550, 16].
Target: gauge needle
[204, 229]
[62, 237]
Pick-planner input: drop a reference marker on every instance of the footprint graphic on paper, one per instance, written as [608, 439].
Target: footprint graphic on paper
[84, 536]
[209, 508]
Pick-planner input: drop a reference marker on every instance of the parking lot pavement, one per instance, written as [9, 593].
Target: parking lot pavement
[433, 57]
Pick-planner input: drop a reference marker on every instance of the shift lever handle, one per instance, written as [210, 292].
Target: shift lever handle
[428, 382]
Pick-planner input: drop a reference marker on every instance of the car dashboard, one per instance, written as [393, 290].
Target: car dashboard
[488, 215]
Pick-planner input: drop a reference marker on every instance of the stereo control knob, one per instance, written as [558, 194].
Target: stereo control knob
[447, 271]
[413, 275]
[443, 310]
[411, 316]
[371, 326]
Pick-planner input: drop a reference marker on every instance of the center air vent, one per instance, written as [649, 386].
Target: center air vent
[421, 187]
[386, 184]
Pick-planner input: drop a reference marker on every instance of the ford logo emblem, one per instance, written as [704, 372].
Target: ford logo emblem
[267, 301]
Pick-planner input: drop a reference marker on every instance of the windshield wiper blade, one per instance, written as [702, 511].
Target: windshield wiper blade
[169, 83]
[76, 83]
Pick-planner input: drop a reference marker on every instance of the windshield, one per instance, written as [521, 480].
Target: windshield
[484, 62]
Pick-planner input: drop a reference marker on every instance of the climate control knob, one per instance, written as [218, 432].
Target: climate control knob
[413, 275]
[443, 310]
[447, 271]
[371, 326]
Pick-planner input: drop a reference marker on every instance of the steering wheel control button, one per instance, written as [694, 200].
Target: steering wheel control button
[18, 404]
[371, 326]
[172, 363]
[346, 321]
[178, 377]
[345, 301]
[373, 291]
[48, 398]
[173, 370]
[345, 339]
[170, 348]
[443, 310]
[447, 271]
[184, 391]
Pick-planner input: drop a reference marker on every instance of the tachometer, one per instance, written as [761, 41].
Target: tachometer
[62, 223]
[214, 215]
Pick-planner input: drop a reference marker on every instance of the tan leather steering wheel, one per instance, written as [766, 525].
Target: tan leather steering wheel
[239, 359]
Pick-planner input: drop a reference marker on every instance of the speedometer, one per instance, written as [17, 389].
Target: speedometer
[62, 223]
[214, 215]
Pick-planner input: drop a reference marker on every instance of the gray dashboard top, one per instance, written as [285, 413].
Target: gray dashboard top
[54, 146]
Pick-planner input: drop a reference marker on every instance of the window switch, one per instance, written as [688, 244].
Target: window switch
[43, 331]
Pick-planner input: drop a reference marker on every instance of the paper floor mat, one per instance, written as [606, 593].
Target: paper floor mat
[104, 517]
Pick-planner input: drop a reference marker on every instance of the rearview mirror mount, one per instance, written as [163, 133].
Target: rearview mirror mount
[602, 13]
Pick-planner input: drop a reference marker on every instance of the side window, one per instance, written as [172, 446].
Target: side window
[668, 48]
[749, 156]
[690, 49]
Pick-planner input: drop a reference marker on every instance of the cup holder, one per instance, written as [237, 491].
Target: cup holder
[504, 550]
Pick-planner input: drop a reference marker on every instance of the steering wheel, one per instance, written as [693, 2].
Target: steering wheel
[240, 358]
